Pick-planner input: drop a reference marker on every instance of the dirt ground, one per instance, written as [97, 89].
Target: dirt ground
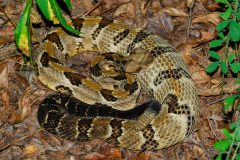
[20, 91]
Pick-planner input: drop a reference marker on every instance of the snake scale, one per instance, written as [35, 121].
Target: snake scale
[103, 105]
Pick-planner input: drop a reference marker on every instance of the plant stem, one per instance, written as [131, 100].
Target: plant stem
[236, 6]
[225, 57]
[238, 143]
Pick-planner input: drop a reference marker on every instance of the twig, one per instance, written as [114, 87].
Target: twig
[2, 124]
[190, 19]
[146, 4]
[18, 140]
[212, 129]
[7, 17]
[95, 7]
[216, 101]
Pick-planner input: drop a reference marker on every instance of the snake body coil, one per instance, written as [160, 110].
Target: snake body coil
[104, 107]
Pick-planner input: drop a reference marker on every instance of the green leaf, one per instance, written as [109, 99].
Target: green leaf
[237, 132]
[235, 67]
[224, 67]
[221, 35]
[214, 55]
[231, 58]
[228, 102]
[212, 67]
[22, 31]
[233, 125]
[222, 25]
[222, 145]
[226, 133]
[234, 30]
[225, 15]
[58, 14]
[46, 9]
[68, 3]
[219, 157]
[238, 156]
[238, 15]
[238, 80]
[223, 1]
[216, 43]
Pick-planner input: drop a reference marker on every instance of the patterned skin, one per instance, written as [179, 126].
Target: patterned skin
[135, 60]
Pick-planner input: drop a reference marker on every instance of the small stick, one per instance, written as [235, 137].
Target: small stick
[190, 18]
[95, 7]
[17, 140]
[7, 17]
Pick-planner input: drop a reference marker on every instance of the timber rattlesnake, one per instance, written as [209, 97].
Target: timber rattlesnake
[129, 60]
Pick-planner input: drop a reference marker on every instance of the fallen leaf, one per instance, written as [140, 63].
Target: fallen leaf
[200, 77]
[24, 108]
[174, 12]
[29, 150]
[212, 17]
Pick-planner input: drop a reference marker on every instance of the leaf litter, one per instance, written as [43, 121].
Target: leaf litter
[20, 95]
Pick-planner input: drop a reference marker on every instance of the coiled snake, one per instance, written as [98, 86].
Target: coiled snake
[103, 106]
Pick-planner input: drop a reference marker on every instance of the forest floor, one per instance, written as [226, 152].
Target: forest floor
[20, 91]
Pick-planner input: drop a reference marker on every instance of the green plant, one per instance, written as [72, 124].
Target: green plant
[228, 32]
[230, 145]
[228, 35]
[51, 11]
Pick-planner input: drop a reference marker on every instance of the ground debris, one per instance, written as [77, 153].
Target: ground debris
[20, 133]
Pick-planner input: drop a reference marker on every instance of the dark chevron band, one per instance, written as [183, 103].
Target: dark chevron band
[148, 134]
[84, 124]
[101, 25]
[118, 38]
[107, 94]
[45, 59]
[64, 89]
[78, 23]
[131, 87]
[96, 70]
[74, 78]
[158, 50]
[53, 37]
[141, 35]
[171, 73]
[174, 107]
[116, 131]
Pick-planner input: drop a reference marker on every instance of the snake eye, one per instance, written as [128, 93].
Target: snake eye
[108, 67]
[116, 87]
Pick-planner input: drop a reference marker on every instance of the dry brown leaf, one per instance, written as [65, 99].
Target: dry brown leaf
[174, 12]
[228, 88]
[212, 17]
[4, 77]
[94, 156]
[160, 24]
[187, 55]
[143, 156]
[123, 9]
[139, 19]
[89, 6]
[115, 153]
[190, 3]
[109, 4]
[6, 35]
[55, 154]
[29, 150]
[4, 94]
[24, 108]
[200, 77]
[215, 81]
